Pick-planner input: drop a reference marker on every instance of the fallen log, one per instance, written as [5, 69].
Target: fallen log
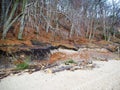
[59, 68]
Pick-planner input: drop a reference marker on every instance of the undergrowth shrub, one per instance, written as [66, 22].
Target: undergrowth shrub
[70, 62]
[23, 65]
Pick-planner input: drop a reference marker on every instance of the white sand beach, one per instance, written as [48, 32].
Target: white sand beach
[106, 76]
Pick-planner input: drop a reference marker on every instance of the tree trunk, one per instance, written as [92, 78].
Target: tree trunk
[9, 21]
[71, 30]
[22, 25]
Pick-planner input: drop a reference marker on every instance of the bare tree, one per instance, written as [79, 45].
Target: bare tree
[85, 17]
[9, 21]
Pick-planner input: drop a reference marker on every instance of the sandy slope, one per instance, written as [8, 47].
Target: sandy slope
[104, 77]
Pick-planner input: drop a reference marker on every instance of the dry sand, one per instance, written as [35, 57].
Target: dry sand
[104, 77]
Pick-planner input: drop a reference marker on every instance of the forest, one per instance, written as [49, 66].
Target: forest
[92, 19]
[55, 36]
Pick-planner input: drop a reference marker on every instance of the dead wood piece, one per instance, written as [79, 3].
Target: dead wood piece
[75, 68]
[90, 66]
[61, 68]
[104, 59]
[4, 75]
[100, 59]
[32, 70]
[37, 69]
[15, 71]
[51, 65]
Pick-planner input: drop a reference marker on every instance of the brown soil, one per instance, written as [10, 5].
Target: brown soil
[55, 39]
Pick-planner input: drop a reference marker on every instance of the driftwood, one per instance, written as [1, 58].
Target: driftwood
[58, 69]
[51, 65]
[3, 76]
[49, 68]
[70, 66]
